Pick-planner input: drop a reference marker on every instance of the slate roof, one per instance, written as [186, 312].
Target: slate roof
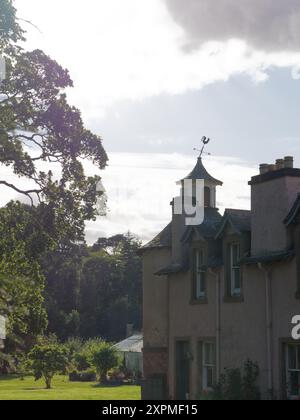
[240, 220]
[208, 228]
[269, 258]
[162, 240]
[199, 172]
[170, 269]
[290, 218]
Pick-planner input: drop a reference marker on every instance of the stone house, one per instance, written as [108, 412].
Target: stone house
[226, 291]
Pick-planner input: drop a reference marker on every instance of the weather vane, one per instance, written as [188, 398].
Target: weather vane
[205, 141]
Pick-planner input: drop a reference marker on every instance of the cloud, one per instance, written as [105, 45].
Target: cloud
[269, 25]
[140, 187]
[130, 50]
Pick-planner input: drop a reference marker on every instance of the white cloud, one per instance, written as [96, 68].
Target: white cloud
[129, 50]
[141, 186]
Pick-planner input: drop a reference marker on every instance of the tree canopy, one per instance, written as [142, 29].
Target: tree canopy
[42, 137]
[44, 144]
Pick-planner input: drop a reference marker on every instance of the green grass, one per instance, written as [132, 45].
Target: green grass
[12, 388]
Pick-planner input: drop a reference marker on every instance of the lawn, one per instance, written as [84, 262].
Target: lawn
[12, 388]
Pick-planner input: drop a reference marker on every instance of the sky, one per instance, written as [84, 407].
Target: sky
[153, 77]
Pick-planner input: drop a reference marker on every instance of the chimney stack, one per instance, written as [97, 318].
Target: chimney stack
[273, 193]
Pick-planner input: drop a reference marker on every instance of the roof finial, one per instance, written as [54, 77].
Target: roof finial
[205, 141]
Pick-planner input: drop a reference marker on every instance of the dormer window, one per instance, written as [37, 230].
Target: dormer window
[235, 270]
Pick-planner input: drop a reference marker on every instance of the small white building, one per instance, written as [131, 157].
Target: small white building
[2, 331]
[131, 349]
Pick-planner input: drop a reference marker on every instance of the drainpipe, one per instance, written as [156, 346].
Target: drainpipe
[269, 325]
[168, 341]
[217, 276]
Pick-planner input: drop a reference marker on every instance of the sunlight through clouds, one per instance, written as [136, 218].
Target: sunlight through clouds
[130, 50]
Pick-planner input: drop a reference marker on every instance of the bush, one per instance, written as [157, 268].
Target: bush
[238, 384]
[89, 375]
[105, 358]
[7, 364]
[47, 360]
[73, 347]
[83, 359]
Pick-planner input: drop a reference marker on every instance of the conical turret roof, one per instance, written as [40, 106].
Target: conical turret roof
[199, 172]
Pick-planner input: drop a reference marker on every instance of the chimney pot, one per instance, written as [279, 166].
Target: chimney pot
[289, 162]
[263, 168]
[280, 164]
[272, 167]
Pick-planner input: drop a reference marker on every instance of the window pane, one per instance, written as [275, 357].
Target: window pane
[235, 250]
[209, 354]
[237, 279]
[200, 259]
[292, 356]
[210, 377]
[201, 286]
[294, 383]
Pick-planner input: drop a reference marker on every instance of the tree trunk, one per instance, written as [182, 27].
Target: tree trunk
[48, 383]
[103, 378]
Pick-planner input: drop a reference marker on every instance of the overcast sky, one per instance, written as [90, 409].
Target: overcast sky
[153, 76]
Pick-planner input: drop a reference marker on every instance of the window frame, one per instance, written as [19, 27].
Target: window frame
[208, 365]
[199, 274]
[235, 292]
[289, 371]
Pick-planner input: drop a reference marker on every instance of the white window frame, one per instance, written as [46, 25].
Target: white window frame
[200, 286]
[233, 268]
[289, 370]
[206, 366]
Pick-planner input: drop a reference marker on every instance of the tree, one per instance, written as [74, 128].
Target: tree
[21, 279]
[47, 360]
[111, 288]
[10, 30]
[62, 269]
[43, 138]
[104, 359]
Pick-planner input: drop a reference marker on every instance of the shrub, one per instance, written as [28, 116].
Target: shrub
[89, 375]
[105, 358]
[7, 364]
[73, 346]
[238, 384]
[83, 359]
[46, 360]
